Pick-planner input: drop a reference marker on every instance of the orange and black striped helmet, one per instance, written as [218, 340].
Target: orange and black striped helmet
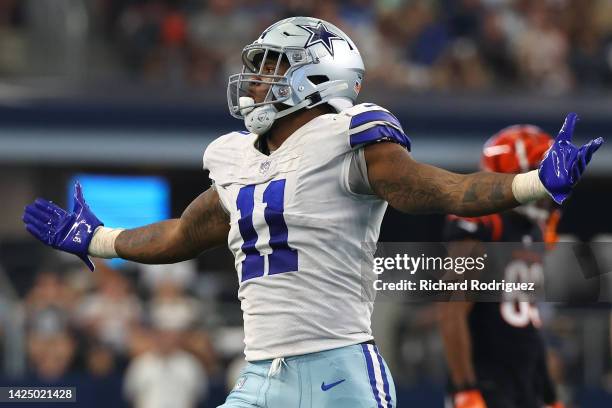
[515, 149]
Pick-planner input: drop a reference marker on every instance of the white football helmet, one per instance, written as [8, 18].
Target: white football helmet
[324, 67]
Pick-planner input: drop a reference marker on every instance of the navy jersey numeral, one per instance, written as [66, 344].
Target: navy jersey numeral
[283, 258]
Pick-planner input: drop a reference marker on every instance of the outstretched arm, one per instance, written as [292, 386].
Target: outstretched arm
[203, 225]
[418, 188]
[414, 187]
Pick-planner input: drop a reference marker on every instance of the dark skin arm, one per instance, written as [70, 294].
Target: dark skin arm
[203, 225]
[413, 187]
[455, 333]
[454, 327]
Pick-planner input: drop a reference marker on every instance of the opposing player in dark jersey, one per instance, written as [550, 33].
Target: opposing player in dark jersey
[495, 353]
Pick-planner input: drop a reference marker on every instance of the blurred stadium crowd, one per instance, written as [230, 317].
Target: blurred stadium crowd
[549, 46]
[139, 339]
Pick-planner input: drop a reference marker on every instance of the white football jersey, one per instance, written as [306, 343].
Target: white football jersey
[297, 230]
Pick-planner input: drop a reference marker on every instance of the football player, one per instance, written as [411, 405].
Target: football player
[496, 356]
[294, 196]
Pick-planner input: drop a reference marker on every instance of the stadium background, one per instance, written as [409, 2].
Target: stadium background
[136, 87]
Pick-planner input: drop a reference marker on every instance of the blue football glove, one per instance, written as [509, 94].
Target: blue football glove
[69, 232]
[564, 163]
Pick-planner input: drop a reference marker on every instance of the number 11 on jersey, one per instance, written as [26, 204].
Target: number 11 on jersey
[283, 258]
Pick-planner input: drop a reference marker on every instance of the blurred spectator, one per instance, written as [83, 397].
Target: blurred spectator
[464, 17]
[217, 34]
[172, 309]
[108, 314]
[100, 360]
[51, 352]
[57, 37]
[102, 383]
[182, 274]
[140, 341]
[171, 305]
[587, 55]
[12, 39]
[542, 51]
[166, 376]
[461, 67]
[138, 36]
[495, 48]
[49, 291]
[358, 12]
[49, 305]
[432, 37]
[174, 46]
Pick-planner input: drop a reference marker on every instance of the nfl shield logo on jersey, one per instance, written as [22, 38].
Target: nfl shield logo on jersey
[264, 167]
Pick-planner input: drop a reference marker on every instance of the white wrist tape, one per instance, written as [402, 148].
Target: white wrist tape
[102, 243]
[527, 187]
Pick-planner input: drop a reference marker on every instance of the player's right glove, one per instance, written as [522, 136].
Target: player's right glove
[564, 163]
[469, 399]
[68, 232]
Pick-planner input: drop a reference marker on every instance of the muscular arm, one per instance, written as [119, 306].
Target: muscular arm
[452, 318]
[203, 225]
[414, 187]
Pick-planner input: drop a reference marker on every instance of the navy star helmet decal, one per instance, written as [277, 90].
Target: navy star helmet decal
[319, 34]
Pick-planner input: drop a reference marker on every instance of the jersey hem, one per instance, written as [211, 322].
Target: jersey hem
[300, 351]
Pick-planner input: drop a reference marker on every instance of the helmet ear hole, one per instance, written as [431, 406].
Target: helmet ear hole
[318, 79]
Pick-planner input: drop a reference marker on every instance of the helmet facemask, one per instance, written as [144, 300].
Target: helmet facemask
[257, 58]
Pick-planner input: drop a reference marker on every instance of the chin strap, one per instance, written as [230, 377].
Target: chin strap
[259, 120]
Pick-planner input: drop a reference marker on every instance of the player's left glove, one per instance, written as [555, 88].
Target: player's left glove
[69, 232]
[556, 405]
[564, 163]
